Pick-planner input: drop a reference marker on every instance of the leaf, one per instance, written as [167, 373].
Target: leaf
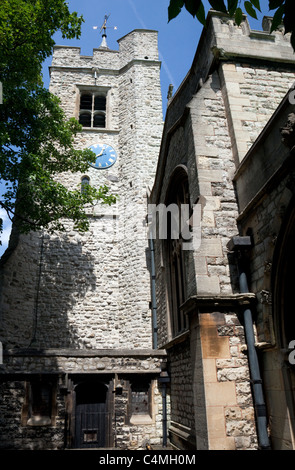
[201, 15]
[231, 6]
[218, 5]
[273, 4]
[250, 10]
[192, 6]
[174, 8]
[238, 16]
[277, 18]
[36, 140]
[256, 4]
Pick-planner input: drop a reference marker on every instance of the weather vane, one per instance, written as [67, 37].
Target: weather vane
[103, 29]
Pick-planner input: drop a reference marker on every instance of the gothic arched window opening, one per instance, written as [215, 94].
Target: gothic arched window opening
[178, 195]
[85, 181]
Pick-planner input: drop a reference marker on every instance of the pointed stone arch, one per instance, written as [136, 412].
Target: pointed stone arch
[279, 374]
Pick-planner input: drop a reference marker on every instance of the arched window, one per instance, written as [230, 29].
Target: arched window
[99, 119]
[283, 275]
[178, 196]
[280, 394]
[85, 181]
[92, 110]
[85, 119]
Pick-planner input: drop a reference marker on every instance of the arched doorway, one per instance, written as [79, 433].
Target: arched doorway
[284, 281]
[282, 400]
[91, 415]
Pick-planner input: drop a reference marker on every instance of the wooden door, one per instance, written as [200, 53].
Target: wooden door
[91, 416]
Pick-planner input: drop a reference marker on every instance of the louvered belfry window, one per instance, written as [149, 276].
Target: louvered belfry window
[92, 110]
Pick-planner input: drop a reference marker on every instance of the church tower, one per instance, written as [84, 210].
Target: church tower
[79, 362]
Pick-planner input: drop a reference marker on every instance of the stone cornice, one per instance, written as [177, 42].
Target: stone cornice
[220, 300]
[84, 353]
[103, 71]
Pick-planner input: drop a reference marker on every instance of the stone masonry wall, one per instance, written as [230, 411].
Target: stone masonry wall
[92, 290]
[228, 111]
[17, 435]
[230, 412]
[252, 94]
[236, 82]
[265, 223]
[14, 435]
[182, 412]
[267, 214]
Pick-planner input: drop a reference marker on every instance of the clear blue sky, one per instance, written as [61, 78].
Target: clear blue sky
[177, 39]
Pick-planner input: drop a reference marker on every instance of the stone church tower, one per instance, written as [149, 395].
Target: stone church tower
[79, 362]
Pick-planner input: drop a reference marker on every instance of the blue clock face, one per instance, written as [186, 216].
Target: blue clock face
[106, 156]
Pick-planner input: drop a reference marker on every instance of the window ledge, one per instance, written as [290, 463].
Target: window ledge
[100, 130]
[141, 419]
[177, 339]
[39, 421]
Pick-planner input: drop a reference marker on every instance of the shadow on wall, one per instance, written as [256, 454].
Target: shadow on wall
[44, 281]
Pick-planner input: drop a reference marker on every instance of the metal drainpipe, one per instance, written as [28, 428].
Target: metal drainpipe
[163, 380]
[164, 415]
[153, 293]
[36, 303]
[239, 244]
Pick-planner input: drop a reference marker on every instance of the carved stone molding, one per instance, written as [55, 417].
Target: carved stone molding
[264, 297]
[217, 301]
[267, 267]
[287, 132]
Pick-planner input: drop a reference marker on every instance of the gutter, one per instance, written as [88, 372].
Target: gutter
[240, 245]
[153, 294]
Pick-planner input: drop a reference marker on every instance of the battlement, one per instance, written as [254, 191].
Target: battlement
[140, 44]
[232, 40]
[245, 59]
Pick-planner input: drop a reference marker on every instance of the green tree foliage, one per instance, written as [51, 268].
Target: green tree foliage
[36, 139]
[281, 10]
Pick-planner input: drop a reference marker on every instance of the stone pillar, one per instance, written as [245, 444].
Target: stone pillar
[224, 413]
